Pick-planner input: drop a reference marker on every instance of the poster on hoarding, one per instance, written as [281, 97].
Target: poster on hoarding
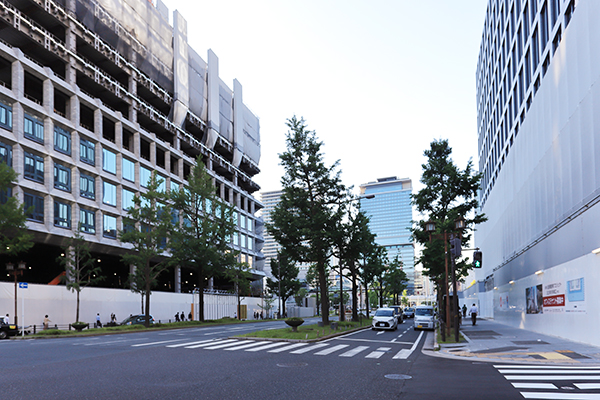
[554, 297]
[575, 295]
[534, 298]
[503, 301]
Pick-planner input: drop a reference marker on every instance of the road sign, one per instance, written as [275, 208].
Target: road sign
[22, 285]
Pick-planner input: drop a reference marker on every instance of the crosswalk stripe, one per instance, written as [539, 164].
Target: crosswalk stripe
[286, 348]
[375, 354]
[220, 346]
[307, 349]
[212, 342]
[547, 371]
[331, 350]
[533, 385]
[354, 351]
[402, 354]
[268, 346]
[561, 396]
[551, 377]
[189, 343]
[245, 346]
[544, 367]
[152, 343]
[584, 386]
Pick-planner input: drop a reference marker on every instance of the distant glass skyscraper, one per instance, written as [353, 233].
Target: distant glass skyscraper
[390, 213]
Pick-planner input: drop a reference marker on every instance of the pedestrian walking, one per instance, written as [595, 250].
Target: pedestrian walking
[182, 316]
[464, 311]
[98, 322]
[190, 316]
[473, 312]
[46, 322]
[176, 317]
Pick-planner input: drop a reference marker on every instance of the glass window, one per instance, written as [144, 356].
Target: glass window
[34, 167]
[236, 239]
[250, 243]
[243, 221]
[250, 224]
[145, 175]
[109, 161]
[33, 128]
[6, 154]
[162, 186]
[109, 229]
[87, 220]
[174, 186]
[127, 200]
[62, 214]
[5, 116]
[34, 207]
[87, 152]
[62, 140]
[128, 170]
[87, 186]
[62, 177]
[109, 193]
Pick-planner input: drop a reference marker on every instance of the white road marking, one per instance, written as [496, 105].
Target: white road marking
[354, 351]
[244, 346]
[552, 377]
[210, 343]
[588, 385]
[190, 343]
[286, 348]
[307, 349]
[220, 346]
[331, 350]
[268, 346]
[561, 396]
[404, 353]
[533, 385]
[153, 343]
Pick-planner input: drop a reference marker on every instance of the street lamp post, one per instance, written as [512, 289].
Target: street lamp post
[10, 268]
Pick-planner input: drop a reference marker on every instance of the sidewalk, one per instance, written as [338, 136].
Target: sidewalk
[493, 341]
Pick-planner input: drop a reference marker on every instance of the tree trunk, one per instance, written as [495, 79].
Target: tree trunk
[200, 295]
[77, 312]
[367, 298]
[324, 296]
[342, 305]
[354, 294]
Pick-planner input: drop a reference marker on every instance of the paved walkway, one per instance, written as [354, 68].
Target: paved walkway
[496, 342]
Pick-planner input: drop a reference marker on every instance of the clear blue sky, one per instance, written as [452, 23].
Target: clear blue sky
[377, 80]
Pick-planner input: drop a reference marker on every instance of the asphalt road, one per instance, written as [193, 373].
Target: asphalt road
[205, 363]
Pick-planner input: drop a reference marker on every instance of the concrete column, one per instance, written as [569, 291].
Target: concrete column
[132, 87]
[18, 77]
[48, 94]
[98, 123]
[177, 286]
[74, 110]
[71, 45]
[153, 153]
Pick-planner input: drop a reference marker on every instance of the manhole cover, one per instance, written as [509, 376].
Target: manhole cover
[398, 376]
[291, 365]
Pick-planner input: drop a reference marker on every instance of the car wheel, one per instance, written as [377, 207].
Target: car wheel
[3, 335]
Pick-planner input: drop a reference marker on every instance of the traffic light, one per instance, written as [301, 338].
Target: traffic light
[477, 256]
[455, 249]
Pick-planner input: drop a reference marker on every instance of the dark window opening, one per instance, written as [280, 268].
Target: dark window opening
[186, 170]
[569, 12]
[86, 117]
[34, 88]
[5, 73]
[160, 157]
[144, 149]
[108, 129]
[128, 140]
[174, 166]
[61, 103]
[556, 41]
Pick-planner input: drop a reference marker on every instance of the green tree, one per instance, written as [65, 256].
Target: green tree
[202, 240]
[449, 194]
[373, 268]
[80, 267]
[308, 210]
[395, 280]
[148, 227]
[239, 274]
[300, 295]
[14, 238]
[285, 273]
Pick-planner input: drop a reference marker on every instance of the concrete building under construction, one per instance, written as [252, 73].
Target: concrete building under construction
[97, 95]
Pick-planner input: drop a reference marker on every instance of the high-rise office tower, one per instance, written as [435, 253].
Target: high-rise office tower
[97, 95]
[390, 213]
[538, 91]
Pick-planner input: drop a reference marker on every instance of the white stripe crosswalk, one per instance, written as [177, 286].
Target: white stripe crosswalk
[553, 382]
[319, 349]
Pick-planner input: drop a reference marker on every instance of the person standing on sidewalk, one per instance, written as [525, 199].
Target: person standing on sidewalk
[473, 312]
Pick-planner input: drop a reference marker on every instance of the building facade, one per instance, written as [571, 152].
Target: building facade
[538, 97]
[97, 95]
[390, 213]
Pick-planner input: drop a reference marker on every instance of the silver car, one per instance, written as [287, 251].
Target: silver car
[385, 319]
[424, 318]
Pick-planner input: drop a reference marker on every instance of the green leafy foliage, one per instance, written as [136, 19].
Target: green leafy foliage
[285, 273]
[14, 237]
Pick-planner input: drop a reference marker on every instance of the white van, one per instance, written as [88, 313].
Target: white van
[424, 318]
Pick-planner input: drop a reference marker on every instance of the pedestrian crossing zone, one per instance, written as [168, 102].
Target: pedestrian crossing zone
[553, 382]
[317, 349]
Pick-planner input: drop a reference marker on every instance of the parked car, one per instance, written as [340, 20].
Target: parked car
[409, 312]
[398, 313]
[384, 319]
[7, 330]
[424, 318]
[136, 320]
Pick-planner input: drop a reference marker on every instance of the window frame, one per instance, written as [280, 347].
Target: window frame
[105, 162]
[58, 219]
[37, 202]
[65, 186]
[90, 148]
[62, 133]
[5, 116]
[126, 175]
[87, 193]
[104, 193]
[35, 124]
[104, 230]
[87, 221]
[36, 175]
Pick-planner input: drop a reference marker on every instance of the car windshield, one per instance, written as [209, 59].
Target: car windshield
[383, 313]
[424, 312]
[409, 309]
